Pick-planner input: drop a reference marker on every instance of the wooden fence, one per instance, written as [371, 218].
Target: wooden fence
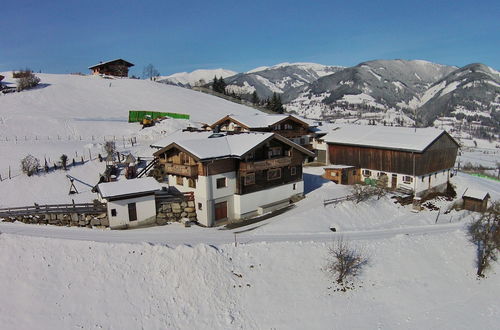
[82, 208]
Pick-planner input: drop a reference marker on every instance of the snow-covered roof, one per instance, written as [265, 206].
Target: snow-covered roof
[337, 167]
[262, 120]
[476, 194]
[386, 137]
[180, 135]
[107, 62]
[128, 187]
[208, 145]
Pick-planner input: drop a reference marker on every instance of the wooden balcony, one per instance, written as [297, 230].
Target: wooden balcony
[291, 133]
[266, 164]
[178, 169]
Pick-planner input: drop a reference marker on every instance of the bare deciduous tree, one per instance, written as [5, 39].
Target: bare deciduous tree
[150, 72]
[361, 192]
[110, 147]
[344, 260]
[485, 233]
[29, 165]
[381, 187]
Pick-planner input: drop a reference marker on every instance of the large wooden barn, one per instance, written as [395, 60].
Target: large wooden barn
[117, 68]
[420, 159]
[233, 176]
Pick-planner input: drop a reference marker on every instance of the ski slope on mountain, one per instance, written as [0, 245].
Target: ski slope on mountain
[193, 78]
[91, 105]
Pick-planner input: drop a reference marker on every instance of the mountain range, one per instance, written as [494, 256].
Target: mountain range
[414, 86]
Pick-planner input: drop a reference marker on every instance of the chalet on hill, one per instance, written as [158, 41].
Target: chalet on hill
[420, 160]
[291, 127]
[233, 176]
[117, 68]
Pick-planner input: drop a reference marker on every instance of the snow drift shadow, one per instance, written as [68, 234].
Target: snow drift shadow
[313, 182]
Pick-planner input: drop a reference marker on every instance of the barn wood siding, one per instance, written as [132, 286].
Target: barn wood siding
[439, 156]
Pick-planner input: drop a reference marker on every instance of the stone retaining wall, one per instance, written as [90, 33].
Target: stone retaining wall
[175, 211]
[66, 219]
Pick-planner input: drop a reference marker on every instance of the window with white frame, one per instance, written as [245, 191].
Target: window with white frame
[367, 172]
[407, 179]
[221, 183]
[293, 170]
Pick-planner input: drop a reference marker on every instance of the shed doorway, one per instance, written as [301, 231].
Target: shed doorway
[220, 211]
[394, 182]
[132, 212]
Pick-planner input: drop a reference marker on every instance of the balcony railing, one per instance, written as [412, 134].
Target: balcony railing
[178, 169]
[266, 164]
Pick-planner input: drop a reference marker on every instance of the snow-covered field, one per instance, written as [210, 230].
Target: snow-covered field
[420, 274]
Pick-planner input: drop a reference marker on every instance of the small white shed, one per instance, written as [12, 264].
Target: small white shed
[130, 203]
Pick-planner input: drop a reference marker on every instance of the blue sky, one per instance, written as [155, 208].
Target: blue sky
[68, 36]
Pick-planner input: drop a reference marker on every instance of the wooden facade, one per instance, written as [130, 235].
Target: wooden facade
[271, 164]
[439, 155]
[345, 175]
[476, 204]
[117, 68]
[289, 127]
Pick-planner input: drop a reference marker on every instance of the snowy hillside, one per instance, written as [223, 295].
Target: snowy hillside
[90, 105]
[74, 115]
[195, 78]
[473, 90]
[380, 84]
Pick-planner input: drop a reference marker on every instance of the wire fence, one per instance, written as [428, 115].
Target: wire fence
[84, 138]
[50, 164]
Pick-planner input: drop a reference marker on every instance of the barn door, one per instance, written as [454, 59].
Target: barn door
[394, 182]
[220, 211]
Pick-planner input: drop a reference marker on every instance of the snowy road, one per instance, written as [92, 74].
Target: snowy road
[174, 235]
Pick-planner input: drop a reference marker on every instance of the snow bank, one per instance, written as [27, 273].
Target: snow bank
[417, 282]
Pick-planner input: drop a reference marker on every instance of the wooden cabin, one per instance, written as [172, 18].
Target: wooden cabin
[420, 160]
[291, 127]
[234, 176]
[342, 174]
[117, 68]
[474, 200]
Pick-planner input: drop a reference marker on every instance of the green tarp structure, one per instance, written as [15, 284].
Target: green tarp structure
[138, 115]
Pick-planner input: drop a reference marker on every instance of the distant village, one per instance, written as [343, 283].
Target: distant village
[244, 167]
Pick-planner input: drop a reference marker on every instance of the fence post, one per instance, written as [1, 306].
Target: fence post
[9, 173]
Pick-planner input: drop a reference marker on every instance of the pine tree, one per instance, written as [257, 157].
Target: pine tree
[255, 98]
[274, 104]
[279, 106]
[215, 84]
[222, 85]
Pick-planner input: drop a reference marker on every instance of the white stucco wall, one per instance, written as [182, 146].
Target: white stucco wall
[145, 206]
[207, 194]
[437, 179]
[319, 145]
[249, 202]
